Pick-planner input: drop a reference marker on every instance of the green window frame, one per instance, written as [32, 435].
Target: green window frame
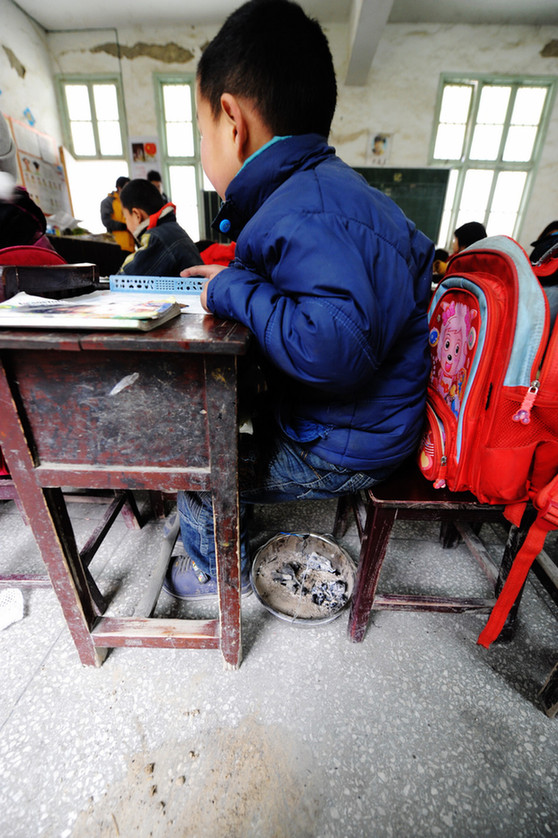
[93, 116]
[488, 132]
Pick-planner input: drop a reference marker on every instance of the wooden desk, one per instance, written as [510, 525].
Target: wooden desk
[117, 410]
[107, 255]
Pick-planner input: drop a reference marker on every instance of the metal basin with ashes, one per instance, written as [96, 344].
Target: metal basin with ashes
[303, 578]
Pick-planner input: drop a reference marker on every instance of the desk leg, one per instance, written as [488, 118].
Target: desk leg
[49, 521]
[221, 393]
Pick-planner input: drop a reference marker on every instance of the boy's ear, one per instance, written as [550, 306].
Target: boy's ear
[235, 116]
[139, 214]
[249, 132]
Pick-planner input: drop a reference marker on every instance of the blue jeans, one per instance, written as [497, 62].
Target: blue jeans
[287, 472]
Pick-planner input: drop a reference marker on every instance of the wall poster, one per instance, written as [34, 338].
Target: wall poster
[41, 168]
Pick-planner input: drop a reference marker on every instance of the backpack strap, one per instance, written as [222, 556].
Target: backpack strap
[546, 502]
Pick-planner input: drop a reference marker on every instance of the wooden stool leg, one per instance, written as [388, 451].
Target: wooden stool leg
[379, 523]
[157, 504]
[516, 536]
[342, 514]
[130, 512]
[450, 535]
[549, 694]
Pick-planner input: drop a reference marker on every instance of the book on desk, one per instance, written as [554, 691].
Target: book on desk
[99, 310]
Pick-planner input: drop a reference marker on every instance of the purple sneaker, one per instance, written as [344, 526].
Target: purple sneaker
[185, 580]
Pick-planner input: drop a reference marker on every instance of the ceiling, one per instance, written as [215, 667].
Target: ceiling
[365, 19]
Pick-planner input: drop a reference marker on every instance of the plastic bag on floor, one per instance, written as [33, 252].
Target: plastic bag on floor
[11, 607]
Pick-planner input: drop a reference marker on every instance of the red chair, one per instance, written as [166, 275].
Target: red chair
[27, 254]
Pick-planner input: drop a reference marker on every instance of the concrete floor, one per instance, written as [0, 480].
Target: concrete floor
[416, 731]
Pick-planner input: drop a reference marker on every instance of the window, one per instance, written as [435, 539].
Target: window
[94, 136]
[92, 116]
[490, 131]
[184, 175]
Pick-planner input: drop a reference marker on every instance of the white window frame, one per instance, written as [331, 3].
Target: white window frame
[194, 160]
[460, 167]
[89, 81]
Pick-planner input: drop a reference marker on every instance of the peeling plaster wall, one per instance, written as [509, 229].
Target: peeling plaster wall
[26, 79]
[400, 95]
[398, 99]
[136, 53]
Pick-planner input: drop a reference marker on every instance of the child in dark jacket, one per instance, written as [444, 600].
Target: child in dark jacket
[164, 247]
[329, 275]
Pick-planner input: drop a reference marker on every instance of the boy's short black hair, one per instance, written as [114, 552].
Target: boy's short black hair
[142, 194]
[122, 181]
[270, 52]
[153, 175]
[470, 233]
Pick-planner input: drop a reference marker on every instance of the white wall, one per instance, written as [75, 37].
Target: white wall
[398, 99]
[26, 79]
[400, 95]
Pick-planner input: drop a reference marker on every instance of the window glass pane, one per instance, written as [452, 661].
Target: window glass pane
[486, 142]
[493, 104]
[506, 203]
[519, 143]
[77, 98]
[456, 100]
[180, 139]
[90, 181]
[528, 107]
[106, 102]
[83, 138]
[474, 197]
[501, 224]
[449, 142]
[110, 139]
[508, 191]
[184, 194]
[177, 102]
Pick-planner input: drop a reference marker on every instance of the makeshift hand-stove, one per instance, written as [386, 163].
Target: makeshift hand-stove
[303, 578]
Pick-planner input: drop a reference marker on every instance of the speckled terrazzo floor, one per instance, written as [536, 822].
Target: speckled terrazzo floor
[417, 731]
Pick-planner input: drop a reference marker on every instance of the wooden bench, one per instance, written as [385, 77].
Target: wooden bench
[407, 495]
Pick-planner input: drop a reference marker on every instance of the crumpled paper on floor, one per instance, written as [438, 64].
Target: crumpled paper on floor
[11, 607]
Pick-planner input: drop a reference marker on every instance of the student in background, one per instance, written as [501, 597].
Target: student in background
[329, 275]
[466, 235]
[155, 178]
[440, 264]
[164, 247]
[113, 219]
[547, 240]
[545, 250]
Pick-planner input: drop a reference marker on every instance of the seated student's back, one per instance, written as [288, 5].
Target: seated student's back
[164, 248]
[329, 275]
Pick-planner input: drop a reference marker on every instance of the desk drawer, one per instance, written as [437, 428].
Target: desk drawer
[104, 409]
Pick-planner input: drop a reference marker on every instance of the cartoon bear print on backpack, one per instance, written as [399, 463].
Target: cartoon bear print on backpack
[454, 341]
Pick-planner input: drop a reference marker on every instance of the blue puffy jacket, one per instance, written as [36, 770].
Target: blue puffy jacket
[334, 282]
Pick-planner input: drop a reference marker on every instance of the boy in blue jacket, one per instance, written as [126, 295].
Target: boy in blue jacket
[329, 275]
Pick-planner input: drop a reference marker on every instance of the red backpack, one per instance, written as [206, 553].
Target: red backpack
[492, 408]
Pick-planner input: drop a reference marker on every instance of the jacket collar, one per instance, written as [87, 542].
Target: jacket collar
[262, 174]
[162, 215]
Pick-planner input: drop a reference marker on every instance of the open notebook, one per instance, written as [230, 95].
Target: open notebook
[99, 310]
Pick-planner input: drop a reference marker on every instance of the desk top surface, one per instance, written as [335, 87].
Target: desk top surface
[189, 333]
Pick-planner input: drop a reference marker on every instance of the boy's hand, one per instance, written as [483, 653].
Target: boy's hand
[204, 271]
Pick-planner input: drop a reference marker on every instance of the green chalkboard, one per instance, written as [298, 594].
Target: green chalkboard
[419, 192]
